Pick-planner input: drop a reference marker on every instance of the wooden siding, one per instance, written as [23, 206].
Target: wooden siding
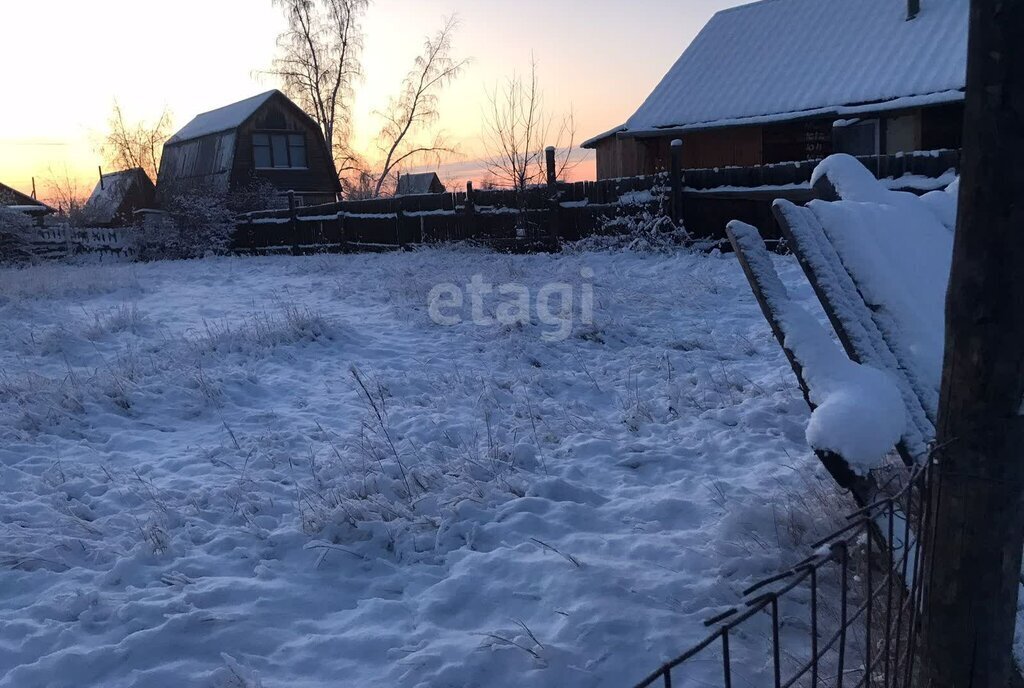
[931, 128]
[223, 161]
[735, 146]
[316, 183]
[808, 139]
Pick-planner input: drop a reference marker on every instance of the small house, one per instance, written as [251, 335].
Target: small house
[787, 80]
[266, 137]
[418, 184]
[117, 197]
[16, 200]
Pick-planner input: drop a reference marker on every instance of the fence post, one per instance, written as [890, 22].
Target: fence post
[676, 181]
[342, 236]
[293, 223]
[398, 224]
[553, 204]
[976, 529]
[470, 210]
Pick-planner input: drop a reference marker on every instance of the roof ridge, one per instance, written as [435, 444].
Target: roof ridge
[744, 6]
[264, 94]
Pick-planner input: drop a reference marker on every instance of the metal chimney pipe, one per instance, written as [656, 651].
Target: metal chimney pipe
[913, 8]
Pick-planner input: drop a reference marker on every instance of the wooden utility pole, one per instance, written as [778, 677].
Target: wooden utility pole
[973, 552]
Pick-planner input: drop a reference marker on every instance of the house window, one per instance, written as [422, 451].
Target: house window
[857, 137]
[279, 151]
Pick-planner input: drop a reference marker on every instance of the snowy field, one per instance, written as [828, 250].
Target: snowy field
[281, 472]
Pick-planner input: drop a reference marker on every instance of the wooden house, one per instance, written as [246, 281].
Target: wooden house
[266, 137]
[786, 80]
[418, 184]
[16, 200]
[117, 196]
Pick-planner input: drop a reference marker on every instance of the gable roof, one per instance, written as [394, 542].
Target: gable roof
[115, 189]
[222, 119]
[20, 200]
[418, 183]
[782, 59]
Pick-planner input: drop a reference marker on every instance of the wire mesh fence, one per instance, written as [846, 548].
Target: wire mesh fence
[847, 616]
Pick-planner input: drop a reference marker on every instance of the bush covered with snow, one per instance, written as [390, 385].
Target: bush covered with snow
[15, 233]
[639, 223]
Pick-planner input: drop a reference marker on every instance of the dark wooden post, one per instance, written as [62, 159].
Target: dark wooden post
[676, 181]
[293, 223]
[554, 206]
[470, 209]
[342, 232]
[399, 216]
[974, 547]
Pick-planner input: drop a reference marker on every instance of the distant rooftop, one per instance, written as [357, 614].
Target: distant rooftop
[419, 183]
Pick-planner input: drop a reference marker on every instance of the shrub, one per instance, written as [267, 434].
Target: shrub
[15, 230]
[196, 223]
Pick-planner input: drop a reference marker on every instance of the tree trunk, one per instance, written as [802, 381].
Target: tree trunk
[974, 549]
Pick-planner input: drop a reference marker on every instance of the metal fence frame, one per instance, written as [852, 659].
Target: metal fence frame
[888, 548]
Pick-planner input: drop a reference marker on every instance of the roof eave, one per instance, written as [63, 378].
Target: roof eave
[838, 111]
[593, 141]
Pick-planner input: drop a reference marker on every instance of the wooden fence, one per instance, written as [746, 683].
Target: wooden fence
[704, 200]
[543, 217]
[62, 241]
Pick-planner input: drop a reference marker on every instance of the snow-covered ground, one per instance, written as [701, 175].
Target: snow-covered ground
[281, 472]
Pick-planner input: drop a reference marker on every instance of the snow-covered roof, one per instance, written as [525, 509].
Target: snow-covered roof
[222, 119]
[418, 183]
[780, 59]
[111, 192]
[12, 198]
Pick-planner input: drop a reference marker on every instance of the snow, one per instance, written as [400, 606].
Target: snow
[898, 252]
[943, 202]
[109, 194]
[199, 490]
[222, 119]
[859, 410]
[783, 58]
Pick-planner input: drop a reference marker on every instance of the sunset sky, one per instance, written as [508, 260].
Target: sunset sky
[71, 59]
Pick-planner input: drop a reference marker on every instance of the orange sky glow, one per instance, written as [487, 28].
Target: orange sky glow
[599, 57]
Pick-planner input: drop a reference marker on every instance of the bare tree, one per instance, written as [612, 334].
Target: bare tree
[410, 115]
[517, 130]
[318, 64]
[64, 192]
[139, 144]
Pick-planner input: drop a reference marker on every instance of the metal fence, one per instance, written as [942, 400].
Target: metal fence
[860, 594]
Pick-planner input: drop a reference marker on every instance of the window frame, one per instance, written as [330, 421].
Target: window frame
[287, 135]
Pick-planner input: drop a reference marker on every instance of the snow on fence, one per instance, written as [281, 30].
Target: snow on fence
[847, 615]
[547, 215]
[63, 241]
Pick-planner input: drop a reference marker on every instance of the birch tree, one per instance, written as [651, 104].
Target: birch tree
[319, 63]
[127, 145]
[406, 135]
